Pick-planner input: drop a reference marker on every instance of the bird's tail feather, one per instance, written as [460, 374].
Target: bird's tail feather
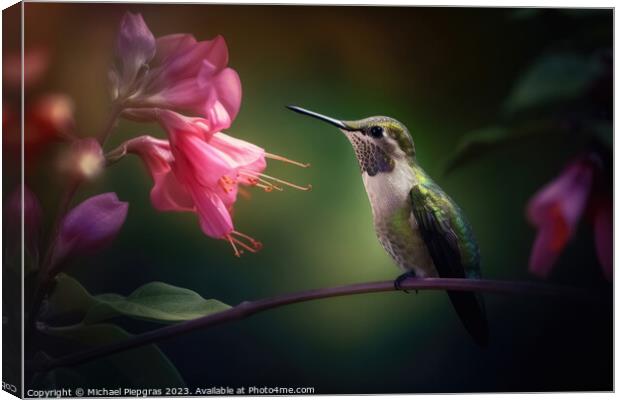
[470, 308]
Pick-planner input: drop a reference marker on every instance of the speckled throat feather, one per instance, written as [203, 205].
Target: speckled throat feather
[372, 158]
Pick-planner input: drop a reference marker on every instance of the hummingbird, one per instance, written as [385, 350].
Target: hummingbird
[417, 223]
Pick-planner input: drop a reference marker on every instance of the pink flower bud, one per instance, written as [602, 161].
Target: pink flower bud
[84, 160]
[36, 62]
[89, 227]
[52, 116]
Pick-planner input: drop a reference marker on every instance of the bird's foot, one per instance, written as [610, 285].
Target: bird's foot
[398, 281]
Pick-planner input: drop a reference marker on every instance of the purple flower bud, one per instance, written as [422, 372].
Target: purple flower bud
[135, 47]
[90, 227]
[32, 217]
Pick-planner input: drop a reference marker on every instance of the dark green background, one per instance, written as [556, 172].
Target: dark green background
[442, 72]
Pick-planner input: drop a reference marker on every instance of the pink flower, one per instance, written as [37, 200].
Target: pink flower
[555, 210]
[201, 172]
[199, 169]
[182, 74]
[89, 227]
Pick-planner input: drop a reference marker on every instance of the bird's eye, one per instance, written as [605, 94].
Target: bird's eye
[376, 131]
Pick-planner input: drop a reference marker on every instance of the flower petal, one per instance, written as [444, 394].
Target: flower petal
[200, 161]
[155, 153]
[555, 210]
[549, 243]
[135, 47]
[178, 124]
[216, 57]
[214, 216]
[169, 46]
[241, 155]
[224, 99]
[178, 66]
[183, 95]
[569, 191]
[168, 194]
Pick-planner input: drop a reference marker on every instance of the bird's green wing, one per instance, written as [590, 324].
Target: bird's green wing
[446, 231]
[450, 244]
[434, 214]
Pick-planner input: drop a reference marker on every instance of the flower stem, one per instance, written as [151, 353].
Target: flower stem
[248, 308]
[115, 112]
[46, 274]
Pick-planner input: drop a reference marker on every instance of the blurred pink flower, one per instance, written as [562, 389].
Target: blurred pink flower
[182, 74]
[48, 117]
[51, 116]
[84, 159]
[32, 217]
[36, 61]
[89, 227]
[603, 234]
[556, 209]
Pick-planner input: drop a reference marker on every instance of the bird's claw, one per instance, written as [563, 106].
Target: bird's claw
[398, 281]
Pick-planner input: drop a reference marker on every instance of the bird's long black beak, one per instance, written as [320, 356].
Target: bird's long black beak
[330, 120]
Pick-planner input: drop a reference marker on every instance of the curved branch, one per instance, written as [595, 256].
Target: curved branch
[248, 308]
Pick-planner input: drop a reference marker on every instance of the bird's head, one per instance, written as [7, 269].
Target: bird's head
[380, 143]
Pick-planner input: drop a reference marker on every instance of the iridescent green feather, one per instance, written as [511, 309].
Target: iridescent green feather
[428, 197]
[451, 244]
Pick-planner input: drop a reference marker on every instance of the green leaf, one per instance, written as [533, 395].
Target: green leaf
[144, 366]
[476, 144]
[69, 298]
[479, 143]
[155, 301]
[554, 78]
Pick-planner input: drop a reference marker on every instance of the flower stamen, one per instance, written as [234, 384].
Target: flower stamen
[269, 184]
[255, 180]
[287, 160]
[232, 243]
[237, 238]
[227, 183]
[264, 180]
